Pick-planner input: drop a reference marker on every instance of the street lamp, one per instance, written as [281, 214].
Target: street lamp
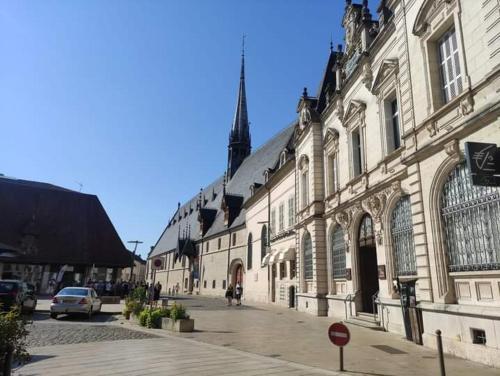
[136, 242]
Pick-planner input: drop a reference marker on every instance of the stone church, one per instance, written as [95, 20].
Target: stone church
[364, 208]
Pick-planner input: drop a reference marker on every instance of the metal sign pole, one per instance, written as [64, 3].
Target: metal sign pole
[341, 352]
[152, 289]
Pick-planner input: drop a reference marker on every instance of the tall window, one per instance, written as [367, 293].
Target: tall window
[451, 75]
[249, 252]
[219, 243]
[337, 249]
[332, 174]
[281, 217]
[471, 220]
[308, 256]
[291, 211]
[234, 240]
[263, 242]
[402, 238]
[305, 188]
[273, 221]
[392, 121]
[357, 156]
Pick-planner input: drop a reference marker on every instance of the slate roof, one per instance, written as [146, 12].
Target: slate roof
[54, 225]
[251, 171]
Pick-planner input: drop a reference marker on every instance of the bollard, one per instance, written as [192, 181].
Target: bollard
[440, 352]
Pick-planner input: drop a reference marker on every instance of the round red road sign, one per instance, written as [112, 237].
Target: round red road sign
[339, 334]
[157, 263]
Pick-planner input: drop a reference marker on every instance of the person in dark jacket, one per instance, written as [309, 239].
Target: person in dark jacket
[229, 295]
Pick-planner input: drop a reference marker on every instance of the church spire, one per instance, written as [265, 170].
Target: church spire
[239, 137]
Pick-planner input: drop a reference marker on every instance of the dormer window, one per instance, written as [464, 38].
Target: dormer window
[266, 176]
[283, 157]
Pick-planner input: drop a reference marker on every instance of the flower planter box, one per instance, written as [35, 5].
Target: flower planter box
[182, 325]
[110, 299]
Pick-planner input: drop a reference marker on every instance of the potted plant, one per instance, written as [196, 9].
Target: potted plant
[178, 320]
[13, 334]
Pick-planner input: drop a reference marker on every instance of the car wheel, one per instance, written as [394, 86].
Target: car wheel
[53, 315]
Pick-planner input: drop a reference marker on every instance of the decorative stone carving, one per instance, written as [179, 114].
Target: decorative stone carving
[388, 69]
[331, 139]
[375, 205]
[452, 148]
[467, 104]
[367, 75]
[305, 117]
[428, 10]
[343, 218]
[431, 128]
[340, 108]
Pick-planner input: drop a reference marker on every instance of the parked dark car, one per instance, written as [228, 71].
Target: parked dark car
[17, 293]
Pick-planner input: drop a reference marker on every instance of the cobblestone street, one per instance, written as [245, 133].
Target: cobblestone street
[47, 334]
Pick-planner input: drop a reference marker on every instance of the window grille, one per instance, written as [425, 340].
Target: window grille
[471, 221]
[451, 77]
[402, 238]
[308, 257]
[337, 249]
[249, 252]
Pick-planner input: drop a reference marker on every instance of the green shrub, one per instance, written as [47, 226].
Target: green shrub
[139, 294]
[13, 334]
[151, 318]
[178, 312]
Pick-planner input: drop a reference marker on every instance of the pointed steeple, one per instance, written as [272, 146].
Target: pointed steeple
[239, 137]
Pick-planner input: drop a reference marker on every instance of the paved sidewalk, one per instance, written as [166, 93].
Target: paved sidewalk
[164, 356]
[298, 337]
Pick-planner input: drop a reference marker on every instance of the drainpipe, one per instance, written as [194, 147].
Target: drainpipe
[228, 259]
[269, 276]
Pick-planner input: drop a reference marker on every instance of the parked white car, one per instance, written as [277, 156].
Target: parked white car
[71, 300]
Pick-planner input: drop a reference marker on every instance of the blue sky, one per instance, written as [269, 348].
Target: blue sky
[134, 99]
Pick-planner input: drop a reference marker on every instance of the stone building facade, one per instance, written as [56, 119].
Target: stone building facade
[388, 230]
[385, 200]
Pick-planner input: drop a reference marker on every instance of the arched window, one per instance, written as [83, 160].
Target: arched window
[337, 250]
[471, 221]
[308, 256]
[402, 238]
[249, 252]
[366, 237]
[263, 242]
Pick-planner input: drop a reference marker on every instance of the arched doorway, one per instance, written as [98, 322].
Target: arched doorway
[368, 269]
[236, 272]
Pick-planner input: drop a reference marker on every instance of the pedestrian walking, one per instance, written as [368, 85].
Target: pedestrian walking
[157, 292]
[177, 287]
[229, 294]
[238, 292]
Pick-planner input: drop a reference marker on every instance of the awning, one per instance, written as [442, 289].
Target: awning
[274, 257]
[265, 260]
[287, 255]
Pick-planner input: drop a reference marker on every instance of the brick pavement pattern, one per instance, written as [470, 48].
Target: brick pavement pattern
[161, 356]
